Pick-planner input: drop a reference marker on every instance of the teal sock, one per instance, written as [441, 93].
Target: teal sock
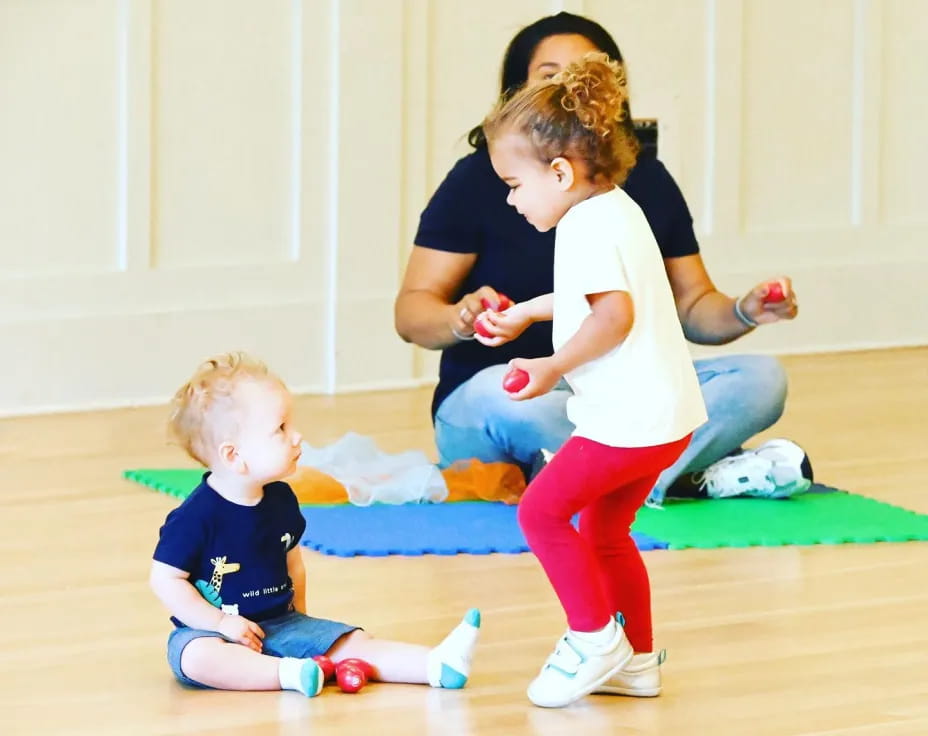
[302, 675]
[449, 662]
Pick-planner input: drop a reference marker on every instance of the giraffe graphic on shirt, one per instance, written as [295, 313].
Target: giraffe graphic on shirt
[220, 568]
[210, 591]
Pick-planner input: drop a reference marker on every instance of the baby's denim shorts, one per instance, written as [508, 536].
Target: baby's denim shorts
[291, 635]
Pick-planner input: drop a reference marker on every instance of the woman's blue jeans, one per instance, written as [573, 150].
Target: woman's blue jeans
[744, 395]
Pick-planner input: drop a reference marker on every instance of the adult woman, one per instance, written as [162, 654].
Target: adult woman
[471, 246]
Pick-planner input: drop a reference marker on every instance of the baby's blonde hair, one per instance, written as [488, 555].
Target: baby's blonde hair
[204, 406]
[580, 113]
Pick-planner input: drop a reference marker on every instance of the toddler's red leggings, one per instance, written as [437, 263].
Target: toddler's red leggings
[597, 570]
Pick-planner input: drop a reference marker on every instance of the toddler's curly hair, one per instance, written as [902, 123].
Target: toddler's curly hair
[202, 410]
[581, 112]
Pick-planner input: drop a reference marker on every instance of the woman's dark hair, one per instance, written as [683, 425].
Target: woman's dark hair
[522, 48]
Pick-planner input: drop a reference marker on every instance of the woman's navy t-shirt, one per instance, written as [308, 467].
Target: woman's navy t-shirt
[468, 214]
[236, 555]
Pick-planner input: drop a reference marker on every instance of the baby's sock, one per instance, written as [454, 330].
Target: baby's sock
[449, 662]
[597, 640]
[302, 675]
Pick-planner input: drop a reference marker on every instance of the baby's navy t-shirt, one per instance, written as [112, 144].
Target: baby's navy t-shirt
[236, 555]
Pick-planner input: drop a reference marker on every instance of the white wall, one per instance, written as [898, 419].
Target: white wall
[181, 177]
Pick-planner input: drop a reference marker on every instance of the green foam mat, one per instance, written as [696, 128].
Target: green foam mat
[812, 518]
[820, 517]
[178, 483]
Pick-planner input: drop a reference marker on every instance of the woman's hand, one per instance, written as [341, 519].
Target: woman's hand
[469, 306]
[542, 377]
[425, 311]
[762, 305]
[241, 630]
[502, 327]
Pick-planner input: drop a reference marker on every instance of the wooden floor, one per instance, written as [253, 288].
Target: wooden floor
[819, 640]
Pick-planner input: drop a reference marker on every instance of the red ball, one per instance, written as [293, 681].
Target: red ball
[481, 329]
[326, 665]
[350, 678]
[366, 667]
[515, 380]
[774, 292]
[504, 303]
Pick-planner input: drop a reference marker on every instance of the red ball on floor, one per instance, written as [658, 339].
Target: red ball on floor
[349, 677]
[366, 667]
[326, 665]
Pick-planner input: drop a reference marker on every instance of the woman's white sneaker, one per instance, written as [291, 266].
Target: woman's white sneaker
[576, 668]
[776, 469]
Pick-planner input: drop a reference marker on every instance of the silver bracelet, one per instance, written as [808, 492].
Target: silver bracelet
[742, 317]
[459, 336]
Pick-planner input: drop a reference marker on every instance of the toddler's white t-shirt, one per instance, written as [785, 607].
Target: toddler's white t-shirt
[645, 391]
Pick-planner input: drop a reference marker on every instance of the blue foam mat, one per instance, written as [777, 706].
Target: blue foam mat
[824, 515]
[471, 527]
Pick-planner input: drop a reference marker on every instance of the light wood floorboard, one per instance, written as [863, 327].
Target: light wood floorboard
[763, 641]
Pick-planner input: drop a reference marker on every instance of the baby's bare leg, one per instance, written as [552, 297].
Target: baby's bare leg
[228, 666]
[447, 665]
[393, 661]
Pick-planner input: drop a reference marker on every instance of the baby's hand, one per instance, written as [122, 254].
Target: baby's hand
[241, 630]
